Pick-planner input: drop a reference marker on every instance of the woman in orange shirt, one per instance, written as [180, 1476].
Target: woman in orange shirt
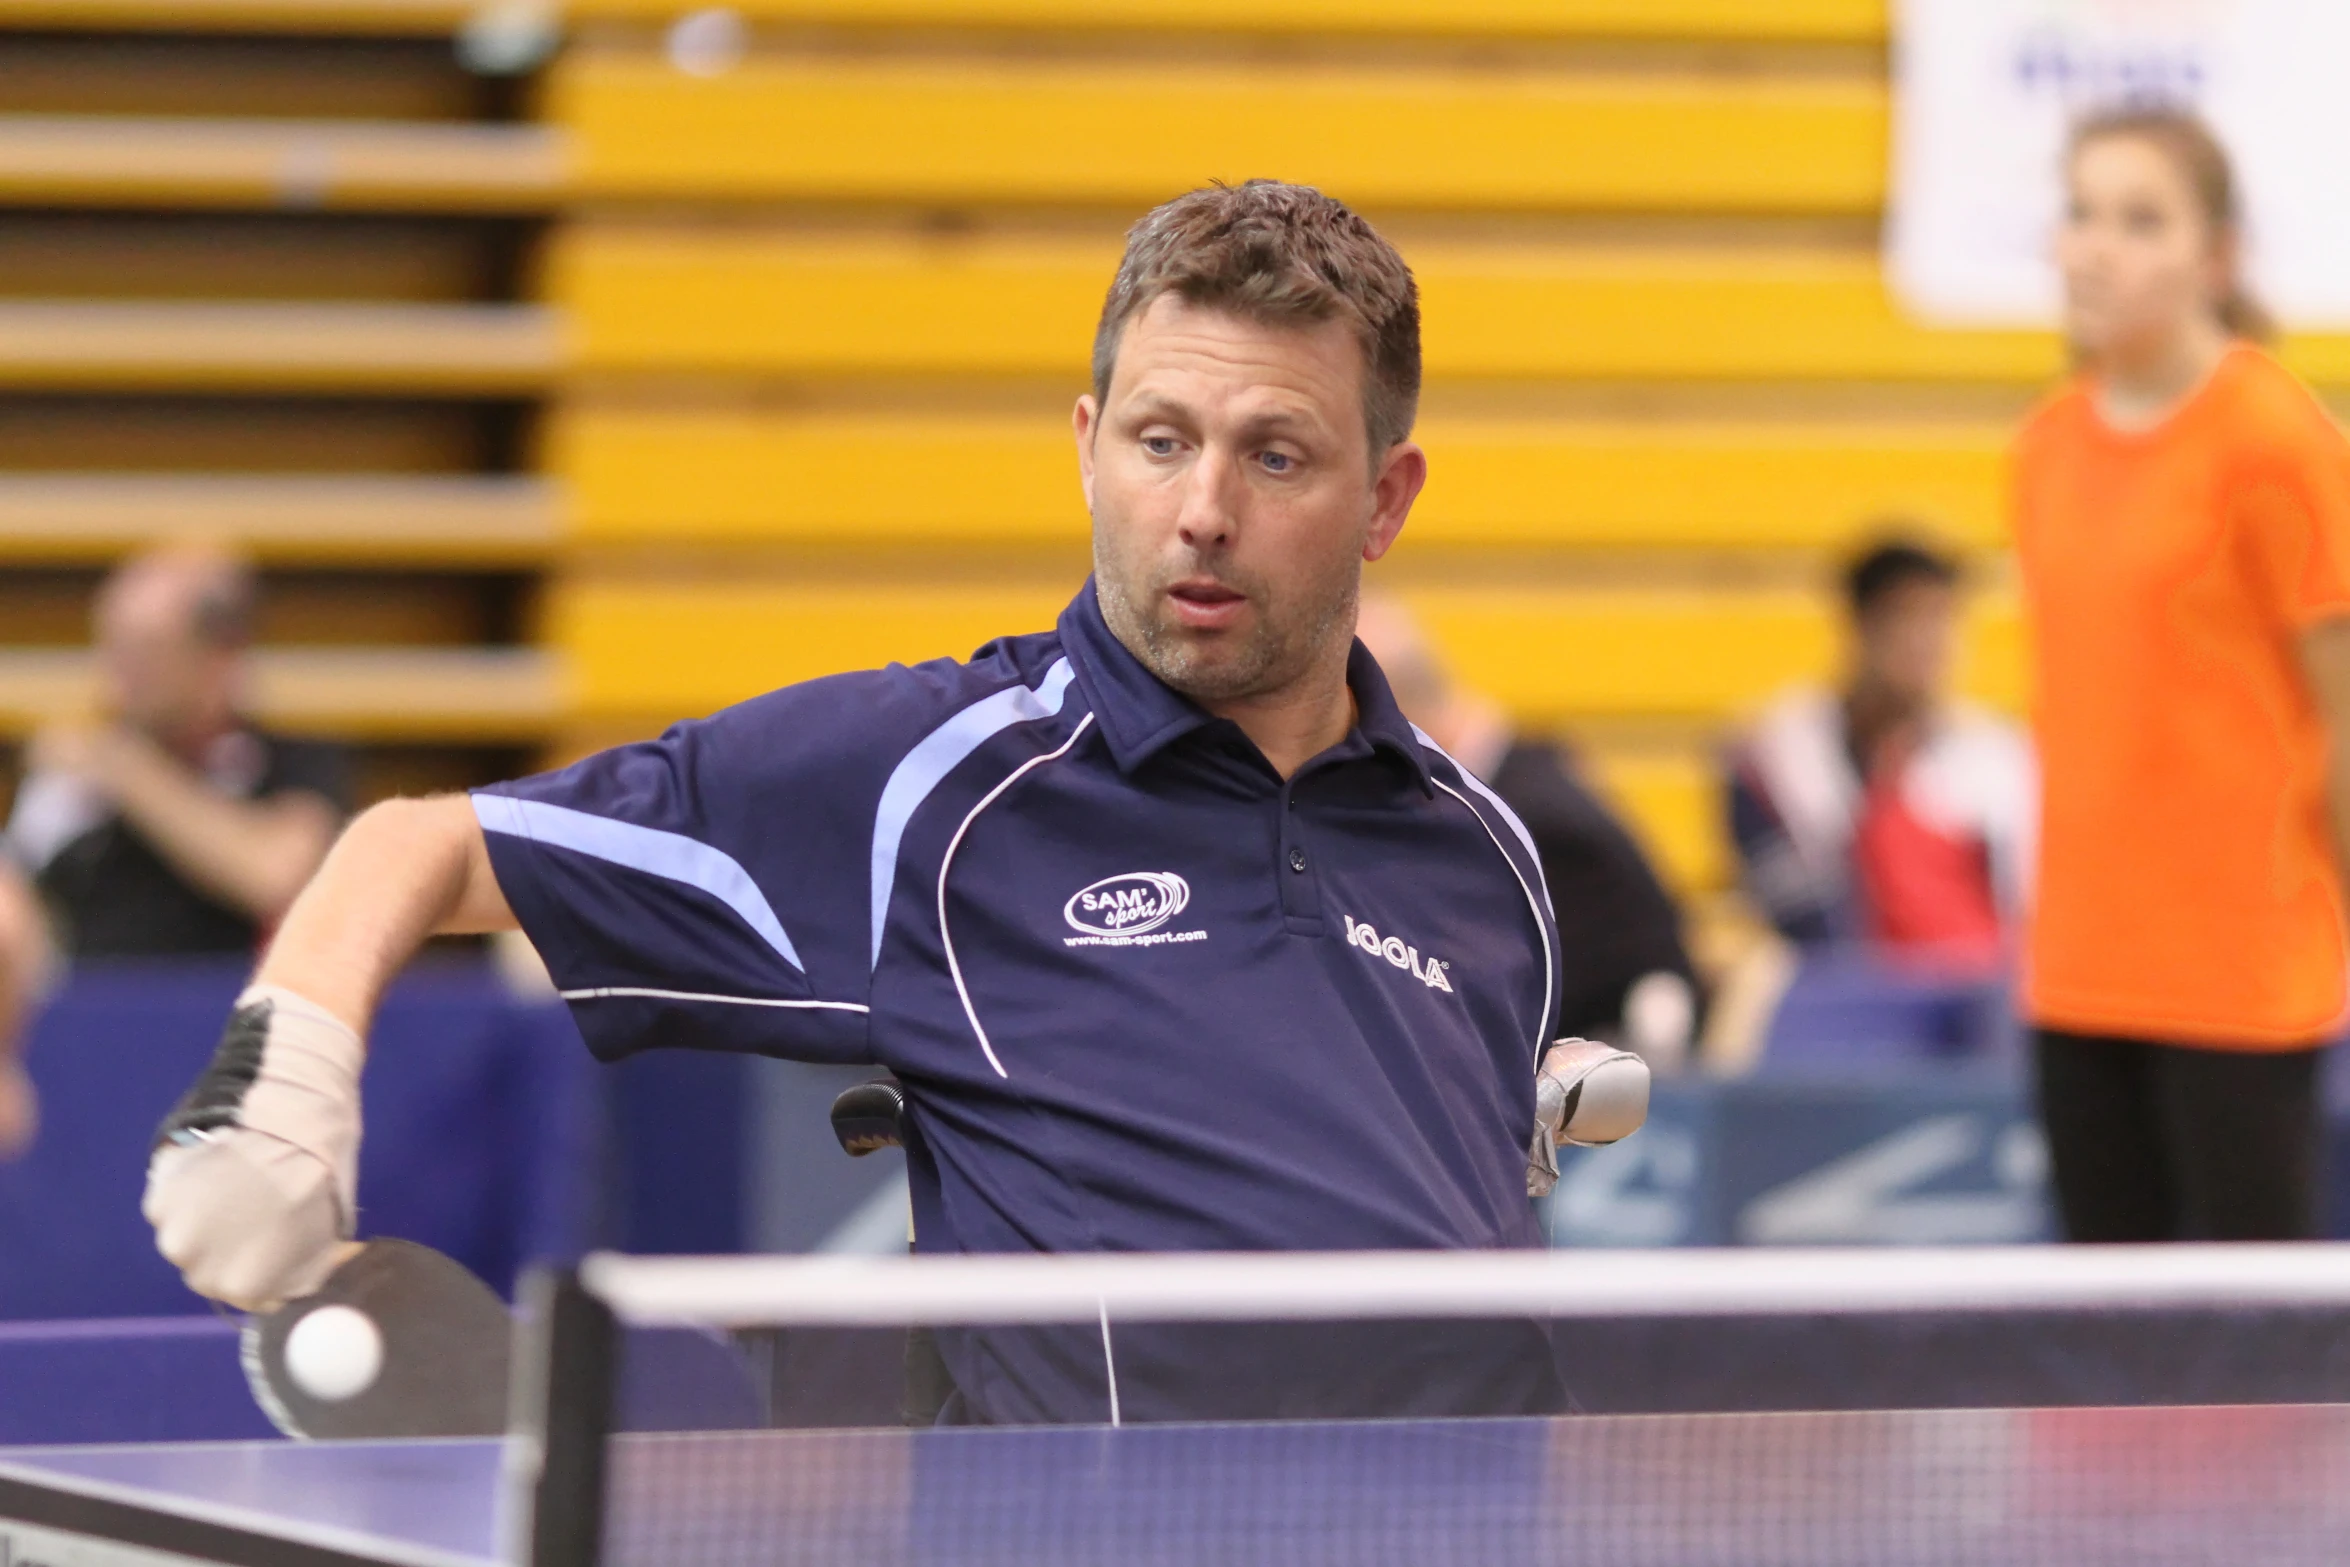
[2182, 518]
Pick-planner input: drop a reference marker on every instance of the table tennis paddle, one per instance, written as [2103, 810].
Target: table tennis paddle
[866, 1118]
[399, 1341]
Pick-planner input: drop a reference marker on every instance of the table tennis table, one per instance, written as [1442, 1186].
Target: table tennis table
[2250, 1486]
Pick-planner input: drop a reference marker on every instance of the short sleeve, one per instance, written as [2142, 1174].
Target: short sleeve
[2294, 505]
[710, 888]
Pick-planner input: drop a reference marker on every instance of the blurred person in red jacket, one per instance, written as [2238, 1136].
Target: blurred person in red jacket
[1886, 810]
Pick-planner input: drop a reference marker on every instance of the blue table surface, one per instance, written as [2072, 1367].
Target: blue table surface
[407, 1501]
[2266, 1485]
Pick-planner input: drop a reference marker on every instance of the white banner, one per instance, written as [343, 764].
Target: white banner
[1986, 89]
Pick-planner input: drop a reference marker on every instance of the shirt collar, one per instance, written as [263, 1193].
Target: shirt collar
[1139, 714]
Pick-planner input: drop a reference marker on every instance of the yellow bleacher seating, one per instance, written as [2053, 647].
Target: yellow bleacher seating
[683, 298]
[679, 298]
[648, 652]
[1028, 131]
[449, 521]
[643, 652]
[456, 695]
[1843, 21]
[451, 350]
[109, 161]
[638, 475]
[1554, 656]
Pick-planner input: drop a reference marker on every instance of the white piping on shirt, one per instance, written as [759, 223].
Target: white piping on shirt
[1110, 1363]
[614, 992]
[945, 937]
[1541, 925]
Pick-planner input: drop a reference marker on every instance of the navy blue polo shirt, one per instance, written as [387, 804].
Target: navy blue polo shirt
[1144, 994]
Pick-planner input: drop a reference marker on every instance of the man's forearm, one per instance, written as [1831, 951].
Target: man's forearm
[403, 871]
[253, 855]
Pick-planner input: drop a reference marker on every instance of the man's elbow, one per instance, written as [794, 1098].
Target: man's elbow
[415, 834]
[439, 836]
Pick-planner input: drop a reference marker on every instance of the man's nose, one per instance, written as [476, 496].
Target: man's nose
[1209, 517]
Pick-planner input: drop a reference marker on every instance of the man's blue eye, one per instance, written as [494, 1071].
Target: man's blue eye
[1159, 445]
[1277, 461]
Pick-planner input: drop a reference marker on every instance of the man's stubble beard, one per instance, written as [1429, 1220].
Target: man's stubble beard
[1281, 647]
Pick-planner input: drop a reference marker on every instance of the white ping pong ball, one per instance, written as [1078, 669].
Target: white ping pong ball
[334, 1353]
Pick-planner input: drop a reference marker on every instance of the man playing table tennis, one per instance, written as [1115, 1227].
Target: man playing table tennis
[1178, 934]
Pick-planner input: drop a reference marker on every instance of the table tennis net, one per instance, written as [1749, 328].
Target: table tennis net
[2184, 1404]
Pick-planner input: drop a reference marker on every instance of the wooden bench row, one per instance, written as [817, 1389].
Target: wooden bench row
[376, 166]
[1840, 21]
[269, 347]
[643, 302]
[636, 477]
[647, 298]
[646, 650]
[1030, 131]
[745, 477]
[422, 520]
[629, 127]
[411, 695]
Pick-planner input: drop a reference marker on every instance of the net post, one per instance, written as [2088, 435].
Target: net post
[560, 1422]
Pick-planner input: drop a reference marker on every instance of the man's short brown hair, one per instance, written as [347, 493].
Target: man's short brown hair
[1281, 255]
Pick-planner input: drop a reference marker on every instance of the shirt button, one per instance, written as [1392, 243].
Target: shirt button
[1297, 860]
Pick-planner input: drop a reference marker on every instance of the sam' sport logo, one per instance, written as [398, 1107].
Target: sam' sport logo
[1129, 911]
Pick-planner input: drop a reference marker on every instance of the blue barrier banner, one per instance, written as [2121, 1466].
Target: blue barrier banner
[483, 1129]
[1926, 1157]
[1900, 1162]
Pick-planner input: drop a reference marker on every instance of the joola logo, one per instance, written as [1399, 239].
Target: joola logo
[1128, 910]
[1429, 971]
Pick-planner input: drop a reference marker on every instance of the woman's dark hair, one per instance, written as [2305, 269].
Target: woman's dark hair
[1891, 563]
[2192, 148]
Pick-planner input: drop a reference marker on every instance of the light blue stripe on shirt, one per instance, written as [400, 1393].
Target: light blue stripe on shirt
[936, 755]
[670, 855]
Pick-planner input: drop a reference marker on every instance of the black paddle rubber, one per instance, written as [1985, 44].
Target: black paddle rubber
[865, 1118]
[446, 1349]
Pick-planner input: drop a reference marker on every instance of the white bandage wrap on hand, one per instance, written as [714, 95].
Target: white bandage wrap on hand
[253, 1186]
[1587, 1094]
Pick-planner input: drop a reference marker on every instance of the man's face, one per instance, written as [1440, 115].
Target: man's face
[1235, 498]
[1909, 640]
[157, 674]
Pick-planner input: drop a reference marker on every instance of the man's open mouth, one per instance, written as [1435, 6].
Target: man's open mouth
[1204, 604]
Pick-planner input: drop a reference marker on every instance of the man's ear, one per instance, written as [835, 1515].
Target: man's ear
[1083, 423]
[1403, 473]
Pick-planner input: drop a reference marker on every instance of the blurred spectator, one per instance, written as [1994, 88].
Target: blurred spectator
[1627, 977]
[170, 825]
[24, 973]
[1886, 810]
[2182, 523]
